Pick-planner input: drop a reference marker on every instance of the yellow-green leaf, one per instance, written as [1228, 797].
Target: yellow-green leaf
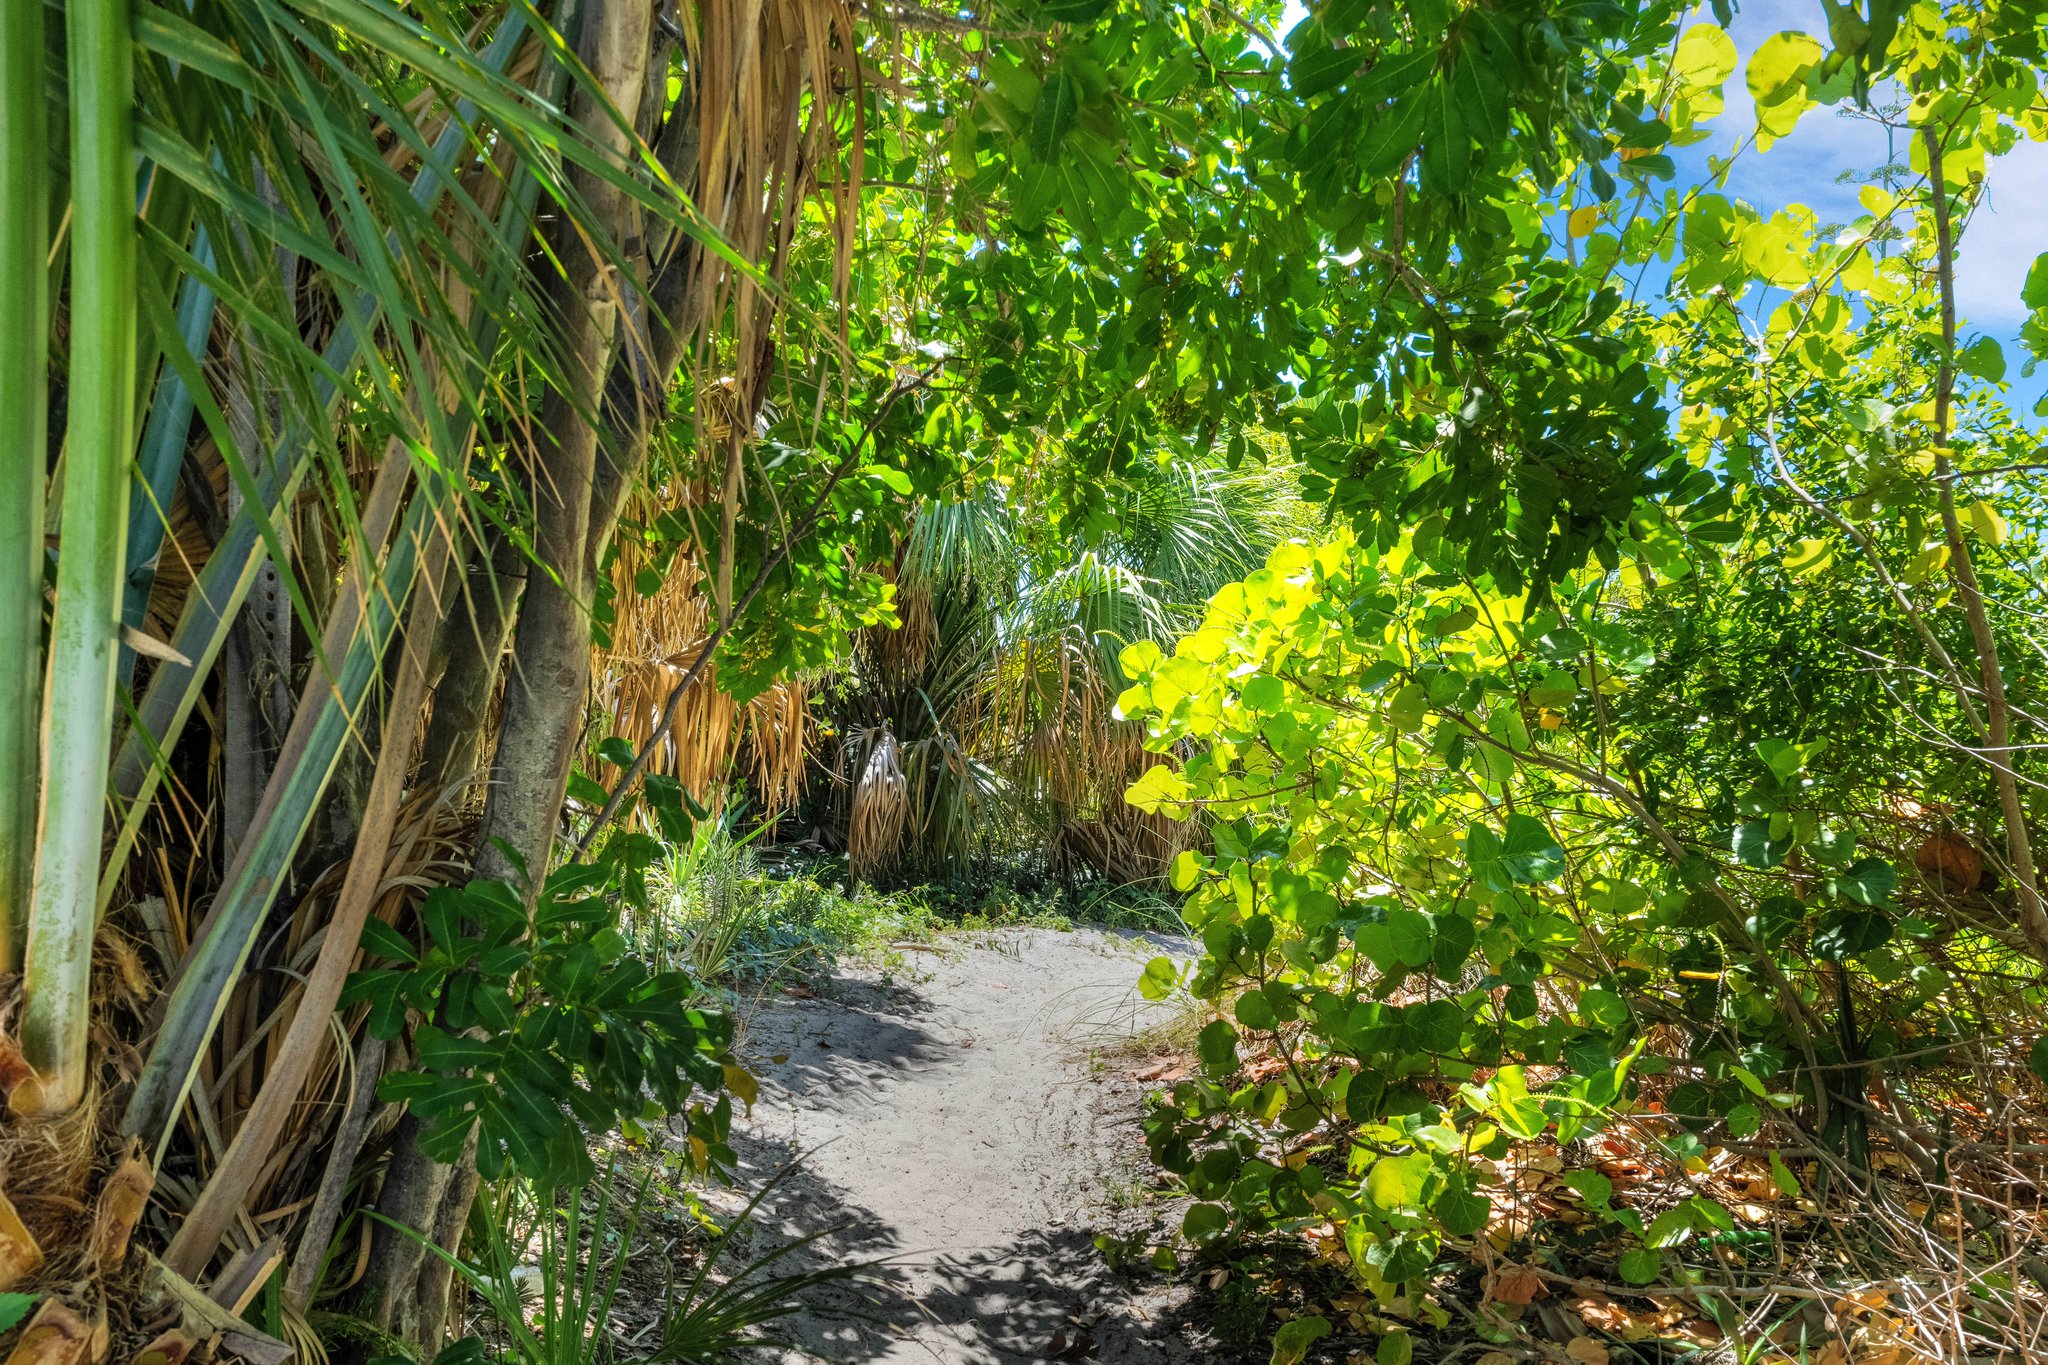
[1925, 565]
[1777, 82]
[1291, 1342]
[1705, 57]
[1985, 521]
[1808, 556]
[1161, 788]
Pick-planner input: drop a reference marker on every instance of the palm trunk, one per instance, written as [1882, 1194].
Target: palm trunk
[24, 416]
[547, 689]
[472, 646]
[545, 692]
[85, 632]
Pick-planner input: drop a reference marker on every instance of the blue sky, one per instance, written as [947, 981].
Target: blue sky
[2003, 239]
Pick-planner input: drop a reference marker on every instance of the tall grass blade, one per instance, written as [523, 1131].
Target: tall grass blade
[164, 435]
[224, 583]
[326, 722]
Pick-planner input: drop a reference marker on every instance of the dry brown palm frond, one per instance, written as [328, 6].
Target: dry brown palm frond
[1078, 758]
[1121, 843]
[50, 1169]
[655, 637]
[880, 807]
[903, 650]
[776, 738]
[431, 846]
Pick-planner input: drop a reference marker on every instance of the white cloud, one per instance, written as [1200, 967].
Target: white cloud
[2004, 237]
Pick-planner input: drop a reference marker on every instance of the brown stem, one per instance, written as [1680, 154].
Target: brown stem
[472, 646]
[546, 691]
[414, 1186]
[341, 1159]
[1997, 711]
[435, 1290]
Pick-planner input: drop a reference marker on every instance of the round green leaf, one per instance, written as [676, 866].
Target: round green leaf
[1641, 1265]
[1254, 1011]
[1462, 1211]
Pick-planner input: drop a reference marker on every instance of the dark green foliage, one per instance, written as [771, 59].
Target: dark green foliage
[540, 1027]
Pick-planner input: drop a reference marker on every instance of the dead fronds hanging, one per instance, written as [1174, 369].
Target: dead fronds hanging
[430, 846]
[880, 807]
[662, 618]
[1078, 758]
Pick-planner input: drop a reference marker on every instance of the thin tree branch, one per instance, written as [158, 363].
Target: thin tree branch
[1997, 711]
[1794, 1005]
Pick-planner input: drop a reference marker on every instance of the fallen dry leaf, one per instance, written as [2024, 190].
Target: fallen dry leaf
[1516, 1284]
[1586, 1351]
[1630, 1324]
[14, 1068]
[1867, 1300]
[171, 1348]
[54, 1336]
[1895, 1355]
[123, 1196]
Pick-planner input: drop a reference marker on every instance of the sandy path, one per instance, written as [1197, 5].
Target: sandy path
[973, 1120]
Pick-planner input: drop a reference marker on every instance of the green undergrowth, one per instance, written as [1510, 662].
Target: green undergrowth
[738, 917]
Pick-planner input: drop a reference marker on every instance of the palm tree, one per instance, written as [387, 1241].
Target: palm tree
[985, 722]
[397, 288]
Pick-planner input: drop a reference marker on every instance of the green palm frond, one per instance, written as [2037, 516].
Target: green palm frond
[972, 540]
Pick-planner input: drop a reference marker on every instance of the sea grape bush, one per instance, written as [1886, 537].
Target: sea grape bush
[1446, 908]
[1543, 800]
